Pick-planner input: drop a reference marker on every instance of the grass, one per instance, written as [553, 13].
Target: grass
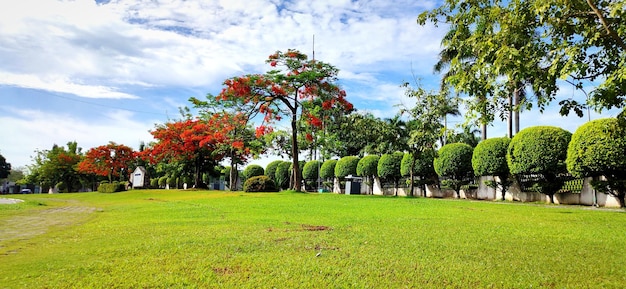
[200, 239]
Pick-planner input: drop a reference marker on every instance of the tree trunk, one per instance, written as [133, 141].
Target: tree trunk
[483, 131]
[516, 102]
[294, 153]
[551, 198]
[510, 118]
[413, 161]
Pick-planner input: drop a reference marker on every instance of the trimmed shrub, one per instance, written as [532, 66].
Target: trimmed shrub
[259, 183]
[253, 171]
[282, 175]
[270, 170]
[310, 171]
[162, 181]
[367, 166]
[598, 148]
[389, 168]
[422, 168]
[113, 187]
[489, 159]
[346, 166]
[454, 165]
[327, 171]
[540, 150]
[171, 181]
[154, 183]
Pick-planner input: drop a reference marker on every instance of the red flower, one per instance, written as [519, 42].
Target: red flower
[309, 137]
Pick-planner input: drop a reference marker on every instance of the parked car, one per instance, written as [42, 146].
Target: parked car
[26, 191]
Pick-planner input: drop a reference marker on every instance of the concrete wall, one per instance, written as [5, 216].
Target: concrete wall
[588, 196]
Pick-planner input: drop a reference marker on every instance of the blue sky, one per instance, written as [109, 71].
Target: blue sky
[100, 71]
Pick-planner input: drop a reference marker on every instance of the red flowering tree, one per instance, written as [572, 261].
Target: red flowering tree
[293, 88]
[107, 160]
[241, 142]
[194, 142]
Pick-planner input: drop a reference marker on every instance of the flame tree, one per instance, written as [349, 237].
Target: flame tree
[293, 88]
[107, 160]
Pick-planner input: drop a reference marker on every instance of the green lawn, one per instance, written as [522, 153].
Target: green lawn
[201, 239]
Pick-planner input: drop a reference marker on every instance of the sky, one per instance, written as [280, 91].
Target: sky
[100, 71]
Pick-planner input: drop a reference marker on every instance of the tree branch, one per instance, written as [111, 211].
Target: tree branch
[606, 26]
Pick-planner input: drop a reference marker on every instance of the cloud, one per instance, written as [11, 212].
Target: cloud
[38, 130]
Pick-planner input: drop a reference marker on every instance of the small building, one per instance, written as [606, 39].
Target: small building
[140, 178]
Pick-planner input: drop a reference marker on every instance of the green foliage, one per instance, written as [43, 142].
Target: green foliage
[454, 161]
[171, 181]
[454, 165]
[389, 167]
[154, 183]
[162, 181]
[5, 168]
[270, 169]
[310, 171]
[538, 150]
[327, 171]
[259, 183]
[598, 148]
[113, 187]
[346, 166]
[253, 171]
[368, 166]
[541, 151]
[282, 175]
[489, 157]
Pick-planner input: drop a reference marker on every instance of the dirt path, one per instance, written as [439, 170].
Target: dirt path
[21, 228]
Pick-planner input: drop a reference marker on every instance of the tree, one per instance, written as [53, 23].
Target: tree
[310, 172]
[294, 91]
[367, 167]
[540, 151]
[5, 168]
[489, 159]
[240, 142]
[111, 160]
[389, 168]
[354, 134]
[598, 149]
[454, 164]
[56, 167]
[420, 167]
[253, 171]
[535, 43]
[194, 143]
[346, 166]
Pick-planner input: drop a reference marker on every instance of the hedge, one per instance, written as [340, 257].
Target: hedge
[327, 171]
[310, 171]
[368, 166]
[253, 171]
[454, 165]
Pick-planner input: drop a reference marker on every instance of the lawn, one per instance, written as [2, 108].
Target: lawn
[207, 239]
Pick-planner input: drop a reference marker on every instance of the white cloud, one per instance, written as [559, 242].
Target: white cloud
[32, 130]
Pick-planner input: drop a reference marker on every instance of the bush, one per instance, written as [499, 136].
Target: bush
[310, 171]
[327, 171]
[598, 148]
[282, 175]
[162, 181]
[346, 166]
[260, 183]
[270, 170]
[489, 159]
[422, 167]
[171, 181]
[454, 164]
[253, 171]
[389, 168]
[540, 150]
[154, 183]
[367, 166]
[113, 187]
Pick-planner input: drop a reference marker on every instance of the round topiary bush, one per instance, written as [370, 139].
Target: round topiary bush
[489, 159]
[367, 166]
[310, 171]
[389, 168]
[253, 171]
[270, 169]
[162, 181]
[260, 183]
[282, 175]
[422, 169]
[454, 165]
[327, 171]
[598, 148]
[346, 166]
[541, 151]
